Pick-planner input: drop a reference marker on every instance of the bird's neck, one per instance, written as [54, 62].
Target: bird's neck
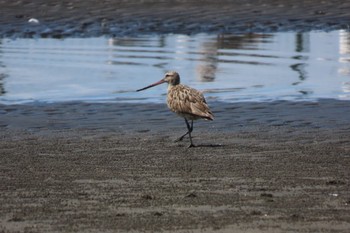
[170, 86]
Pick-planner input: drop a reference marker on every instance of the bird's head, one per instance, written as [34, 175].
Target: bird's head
[171, 77]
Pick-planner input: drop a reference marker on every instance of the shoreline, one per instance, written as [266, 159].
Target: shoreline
[313, 114]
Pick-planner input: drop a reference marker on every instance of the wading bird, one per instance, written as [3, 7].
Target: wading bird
[185, 101]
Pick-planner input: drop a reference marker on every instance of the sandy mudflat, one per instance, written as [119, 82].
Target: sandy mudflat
[259, 167]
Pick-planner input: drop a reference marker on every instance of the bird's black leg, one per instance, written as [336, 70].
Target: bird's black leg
[182, 137]
[189, 131]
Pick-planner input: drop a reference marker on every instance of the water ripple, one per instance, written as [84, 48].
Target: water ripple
[255, 67]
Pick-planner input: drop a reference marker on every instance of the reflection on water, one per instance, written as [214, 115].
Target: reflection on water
[2, 75]
[251, 67]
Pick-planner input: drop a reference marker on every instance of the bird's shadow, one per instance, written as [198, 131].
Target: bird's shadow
[210, 145]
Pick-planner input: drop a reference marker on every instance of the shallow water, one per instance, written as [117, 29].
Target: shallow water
[231, 68]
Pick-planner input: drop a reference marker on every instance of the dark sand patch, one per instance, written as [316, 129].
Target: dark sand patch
[69, 18]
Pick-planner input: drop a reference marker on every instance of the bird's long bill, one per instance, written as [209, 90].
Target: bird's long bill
[152, 85]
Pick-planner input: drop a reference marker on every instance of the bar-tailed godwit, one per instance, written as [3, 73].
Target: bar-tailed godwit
[185, 101]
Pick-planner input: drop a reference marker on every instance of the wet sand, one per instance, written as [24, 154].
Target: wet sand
[259, 167]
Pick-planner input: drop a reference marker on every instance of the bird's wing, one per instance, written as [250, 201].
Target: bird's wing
[186, 100]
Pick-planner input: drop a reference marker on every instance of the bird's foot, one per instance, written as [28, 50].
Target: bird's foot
[192, 145]
[179, 139]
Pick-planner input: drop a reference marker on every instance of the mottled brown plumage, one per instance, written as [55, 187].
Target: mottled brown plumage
[188, 103]
[185, 101]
